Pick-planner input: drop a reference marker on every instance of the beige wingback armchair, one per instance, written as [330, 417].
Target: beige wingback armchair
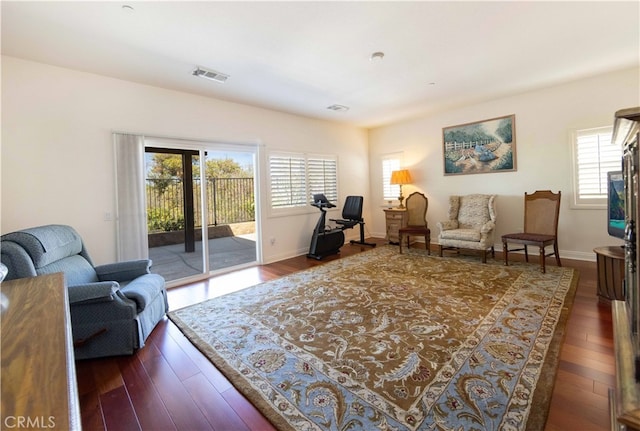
[471, 224]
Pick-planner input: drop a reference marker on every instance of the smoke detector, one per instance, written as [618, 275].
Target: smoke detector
[338, 108]
[210, 74]
[376, 56]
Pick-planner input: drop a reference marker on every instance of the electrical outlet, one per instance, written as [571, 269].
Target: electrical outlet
[108, 216]
[272, 240]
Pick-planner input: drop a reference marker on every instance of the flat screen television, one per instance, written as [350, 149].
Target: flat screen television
[615, 204]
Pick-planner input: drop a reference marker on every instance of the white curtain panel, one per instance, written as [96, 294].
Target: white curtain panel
[132, 232]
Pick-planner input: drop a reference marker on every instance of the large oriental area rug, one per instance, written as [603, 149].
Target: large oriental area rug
[383, 341]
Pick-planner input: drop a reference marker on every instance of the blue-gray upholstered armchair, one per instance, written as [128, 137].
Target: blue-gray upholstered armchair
[113, 307]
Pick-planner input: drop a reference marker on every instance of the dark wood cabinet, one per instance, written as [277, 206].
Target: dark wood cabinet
[625, 399]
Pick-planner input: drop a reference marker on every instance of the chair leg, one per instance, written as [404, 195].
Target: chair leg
[440, 247]
[505, 251]
[542, 259]
[484, 256]
[400, 243]
[526, 253]
[362, 241]
[493, 252]
[427, 243]
[555, 250]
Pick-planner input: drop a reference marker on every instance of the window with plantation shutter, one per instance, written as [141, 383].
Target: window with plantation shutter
[295, 178]
[288, 181]
[390, 163]
[322, 177]
[594, 156]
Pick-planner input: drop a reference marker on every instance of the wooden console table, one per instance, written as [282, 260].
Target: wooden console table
[38, 375]
[610, 261]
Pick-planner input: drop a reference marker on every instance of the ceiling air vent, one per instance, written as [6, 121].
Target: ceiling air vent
[338, 108]
[210, 74]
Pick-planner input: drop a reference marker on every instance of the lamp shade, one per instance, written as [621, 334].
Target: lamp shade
[401, 177]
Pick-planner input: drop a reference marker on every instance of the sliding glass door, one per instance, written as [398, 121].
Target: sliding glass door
[172, 191]
[200, 209]
[231, 209]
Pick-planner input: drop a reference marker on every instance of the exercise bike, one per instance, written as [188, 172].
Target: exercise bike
[326, 241]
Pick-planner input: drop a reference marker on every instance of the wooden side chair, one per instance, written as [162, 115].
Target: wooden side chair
[416, 205]
[541, 212]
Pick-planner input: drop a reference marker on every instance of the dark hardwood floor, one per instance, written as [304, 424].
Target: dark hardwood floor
[170, 385]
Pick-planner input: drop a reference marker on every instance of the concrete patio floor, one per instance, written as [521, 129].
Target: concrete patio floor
[173, 263]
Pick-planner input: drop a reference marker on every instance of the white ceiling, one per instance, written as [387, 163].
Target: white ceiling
[301, 57]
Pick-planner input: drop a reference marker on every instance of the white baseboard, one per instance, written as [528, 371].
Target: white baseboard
[564, 254]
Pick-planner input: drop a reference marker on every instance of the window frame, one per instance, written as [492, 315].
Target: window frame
[612, 162]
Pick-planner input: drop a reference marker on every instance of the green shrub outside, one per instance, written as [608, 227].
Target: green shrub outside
[159, 220]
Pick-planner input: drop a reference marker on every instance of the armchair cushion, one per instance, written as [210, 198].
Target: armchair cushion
[47, 244]
[102, 291]
[76, 270]
[462, 234]
[143, 290]
[473, 211]
[123, 271]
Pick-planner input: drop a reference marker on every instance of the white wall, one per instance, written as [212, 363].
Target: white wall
[57, 154]
[58, 161]
[544, 119]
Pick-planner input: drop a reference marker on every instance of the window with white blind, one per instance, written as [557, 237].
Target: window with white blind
[594, 156]
[390, 163]
[287, 180]
[295, 178]
[322, 176]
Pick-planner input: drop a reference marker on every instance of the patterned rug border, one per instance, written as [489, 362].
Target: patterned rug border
[541, 399]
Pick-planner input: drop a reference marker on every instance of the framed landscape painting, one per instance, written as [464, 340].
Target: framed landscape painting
[480, 147]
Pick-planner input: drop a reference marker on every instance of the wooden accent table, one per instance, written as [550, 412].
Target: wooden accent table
[395, 218]
[38, 374]
[610, 261]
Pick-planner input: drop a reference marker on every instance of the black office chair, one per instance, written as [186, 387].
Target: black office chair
[351, 216]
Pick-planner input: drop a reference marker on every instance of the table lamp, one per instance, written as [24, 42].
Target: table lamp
[400, 178]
